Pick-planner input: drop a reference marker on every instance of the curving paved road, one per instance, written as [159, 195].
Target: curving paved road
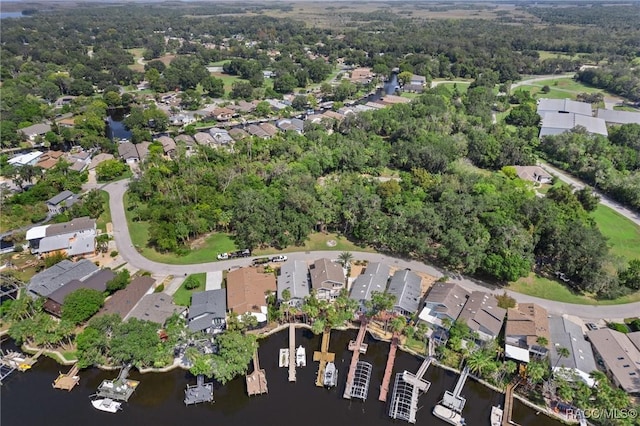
[116, 192]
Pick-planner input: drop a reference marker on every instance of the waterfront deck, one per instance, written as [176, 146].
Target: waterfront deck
[407, 389]
[68, 381]
[200, 392]
[13, 360]
[453, 400]
[292, 353]
[358, 347]
[323, 356]
[391, 359]
[257, 381]
[508, 403]
[119, 389]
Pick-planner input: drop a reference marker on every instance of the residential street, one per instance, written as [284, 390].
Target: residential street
[116, 192]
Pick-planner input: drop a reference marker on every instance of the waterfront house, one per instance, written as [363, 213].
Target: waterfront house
[580, 362]
[97, 281]
[208, 311]
[327, 278]
[74, 238]
[155, 307]
[620, 355]
[444, 301]
[123, 301]
[526, 324]
[483, 315]
[418, 80]
[374, 278]
[361, 75]
[294, 276]
[59, 203]
[534, 174]
[34, 131]
[51, 279]
[407, 287]
[128, 152]
[247, 290]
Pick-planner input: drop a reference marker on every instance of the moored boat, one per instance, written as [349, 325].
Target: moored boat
[301, 357]
[106, 404]
[496, 416]
[448, 415]
[330, 375]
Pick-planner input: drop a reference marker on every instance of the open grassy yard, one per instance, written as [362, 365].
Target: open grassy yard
[319, 241]
[461, 86]
[182, 296]
[623, 235]
[536, 91]
[546, 54]
[219, 63]
[568, 84]
[105, 217]
[227, 79]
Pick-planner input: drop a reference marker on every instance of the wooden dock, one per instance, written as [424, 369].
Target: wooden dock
[358, 347]
[508, 403]
[323, 356]
[292, 353]
[17, 361]
[68, 381]
[384, 388]
[257, 381]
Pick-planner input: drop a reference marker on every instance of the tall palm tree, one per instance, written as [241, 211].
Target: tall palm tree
[478, 361]
[346, 258]
[535, 372]
[562, 353]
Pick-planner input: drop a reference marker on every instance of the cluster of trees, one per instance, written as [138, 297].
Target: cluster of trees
[619, 78]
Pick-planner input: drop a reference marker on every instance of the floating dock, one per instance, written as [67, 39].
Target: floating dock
[358, 370]
[200, 392]
[68, 381]
[406, 390]
[323, 356]
[119, 389]
[257, 381]
[391, 359]
[292, 353]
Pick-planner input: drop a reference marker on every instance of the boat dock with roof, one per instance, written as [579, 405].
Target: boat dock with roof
[406, 390]
[324, 357]
[68, 381]
[200, 392]
[256, 381]
[359, 371]
[119, 389]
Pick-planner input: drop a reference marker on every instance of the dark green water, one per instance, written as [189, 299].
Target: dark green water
[29, 399]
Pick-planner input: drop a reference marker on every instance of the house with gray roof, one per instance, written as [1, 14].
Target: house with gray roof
[59, 203]
[555, 123]
[28, 159]
[444, 301]
[220, 136]
[534, 174]
[97, 281]
[123, 301]
[374, 278]
[611, 116]
[51, 279]
[32, 132]
[580, 362]
[72, 238]
[290, 124]
[294, 276]
[483, 315]
[621, 358]
[565, 106]
[208, 311]
[155, 307]
[327, 278]
[257, 131]
[406, 286]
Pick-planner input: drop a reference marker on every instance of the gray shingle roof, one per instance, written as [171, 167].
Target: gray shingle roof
[55, 200]
[325, 273]
[127, 151]
[482, 313]
[207, 306]
[75, 225]
[407, 287]
[619, 355]
[294, 275]
[450, 299]
[619, 117]
[155, 307]
[97, 281]
[51, 279]
[374, 278]
[567, 334]
[564, 105]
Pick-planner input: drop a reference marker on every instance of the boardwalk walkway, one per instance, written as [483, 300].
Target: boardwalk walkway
[508, 403]
[384, 388]
[292, 353]
[323, 356]
[358, 347]
[256, 381]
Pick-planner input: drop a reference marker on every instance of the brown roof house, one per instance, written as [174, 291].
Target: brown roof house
[526, 325]
[247, 290]
[534, 174]
[222, 114]
[327, 278]
[155, 307]
[444, 301]
[168, 145]
[361, 75]
[97, 281]
[483, 315]
[123, 301]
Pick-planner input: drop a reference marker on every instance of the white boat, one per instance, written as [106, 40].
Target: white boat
[448, 415]
[330, 375]
[107, 404]
[496, 416]
[301, 357]
[283, 359]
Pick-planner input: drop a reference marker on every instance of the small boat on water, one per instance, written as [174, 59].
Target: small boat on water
[283, 358]
[448, 415]
[106, 404]
[301, 357]
[496, 416]
[330, 375]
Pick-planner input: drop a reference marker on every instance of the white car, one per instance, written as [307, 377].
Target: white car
[223, 256]
[279, 258]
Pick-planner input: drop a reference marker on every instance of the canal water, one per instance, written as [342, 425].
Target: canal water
[29, 399]
[116, 129]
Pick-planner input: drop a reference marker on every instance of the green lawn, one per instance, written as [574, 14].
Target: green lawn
[462, 87]
[182, 296]
[409, 95]
[568, 84]
[623, 235]
[553, 94]
[219, 63]
[227, 79]
[547, 54]
[127, 174]
[316, 242]
[625, 108]
[545, 288]
[105, 217]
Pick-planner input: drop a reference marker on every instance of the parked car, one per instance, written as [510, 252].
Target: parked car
[278, 258]
[243, 253]
[223, 256]
[591, 326]
[260, 261]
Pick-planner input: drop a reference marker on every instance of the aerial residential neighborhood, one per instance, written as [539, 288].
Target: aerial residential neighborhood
[405, 205]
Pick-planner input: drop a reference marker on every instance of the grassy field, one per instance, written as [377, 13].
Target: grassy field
[105, 217]
[409, 95]
[625, 108]
[553, 94]
[546, 54]
[462, 87]
[623, 235]
[219, 63]
[182, 296]
[544, 288]
[227, 79]
[568, 84]
[318, 241]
